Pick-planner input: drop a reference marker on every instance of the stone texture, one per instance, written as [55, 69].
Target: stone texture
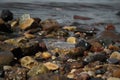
[115, 55]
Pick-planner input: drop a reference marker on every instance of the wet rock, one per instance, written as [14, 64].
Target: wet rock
[70, 28]
[50, 25]
[113, 47]
[5, 28]
[27, 47]
[97, 57]
[96, 46]
[5, 57]
[39, 69]
[113, 78]
[108, 35]
[24, 17]
[16, 51]
[6, 15]
[46, 55]
[72, 40]
[81, 17]
[28, 62]
[51, 66]
[115, 55]
[113, 61]
[28, 24]
[16, 73]
[116, 73]
[83, 44]
[110, 27]
[100, 71]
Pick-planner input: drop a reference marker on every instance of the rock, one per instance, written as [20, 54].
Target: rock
[113, 47]
[96, 57]
[24, 17]
[113, 78]
[100, 71]
[83, 44]
[14, 23]
[81, 17]
[5, 28]
[51, 66]
[28, 24]
[5, 57]
[46, 55]
[50, 25]
[39, 69]
[28, 62]
[72, 40]
[116, 73]
[29, 36]
[110, 27]
[16, 73]
[115, 55]
[113, 61]
[83, 76]
[28, 47]
[16, 51]
[70, 28]
[1, 21]
[108, 36]
[6, 15]
[96, 47]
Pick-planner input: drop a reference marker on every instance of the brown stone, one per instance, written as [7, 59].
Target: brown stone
[81, 17]
[28, 24]
[5, 57]
[116, 73]
[50, 25]
[51, 66]
[72, 40]
[28, 62]
[110, 27]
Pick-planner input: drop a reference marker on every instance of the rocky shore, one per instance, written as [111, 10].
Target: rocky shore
[36, 49]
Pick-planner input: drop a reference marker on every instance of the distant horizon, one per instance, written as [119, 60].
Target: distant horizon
[69, 1]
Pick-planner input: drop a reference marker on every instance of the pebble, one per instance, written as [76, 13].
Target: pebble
[28, 62]
[116, 73]
[6, 15]
[113, 61]
[5, 57]
[115, 55]
[72, 40]
[51, 66]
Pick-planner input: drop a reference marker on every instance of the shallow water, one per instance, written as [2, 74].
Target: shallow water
[102, 11]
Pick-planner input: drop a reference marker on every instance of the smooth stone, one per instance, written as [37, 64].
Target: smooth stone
[6, 15]
[50, 25]
[95, 79]
[113, 61]
[5, 57]
[116, 73]
[83, 44]
[28, 62]
[39, 69]
[115, 55]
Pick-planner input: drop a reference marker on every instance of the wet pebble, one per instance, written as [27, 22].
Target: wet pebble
[6, 15]
[113, 61]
